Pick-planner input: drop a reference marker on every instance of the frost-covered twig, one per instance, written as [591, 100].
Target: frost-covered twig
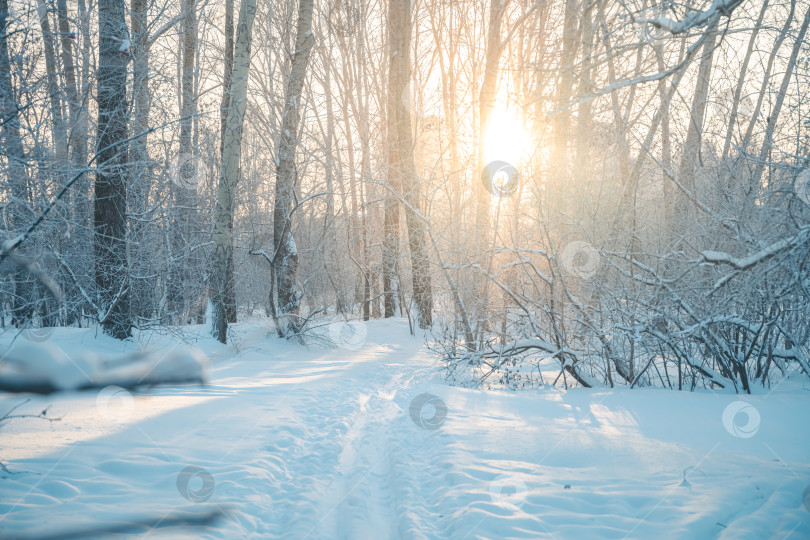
[9, 416]
[43, 414]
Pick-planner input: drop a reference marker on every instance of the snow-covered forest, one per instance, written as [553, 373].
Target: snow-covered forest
[404, 268]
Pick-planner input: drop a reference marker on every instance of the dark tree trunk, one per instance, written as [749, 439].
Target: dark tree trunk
[22, 308]
[230, 292]
[109, 243]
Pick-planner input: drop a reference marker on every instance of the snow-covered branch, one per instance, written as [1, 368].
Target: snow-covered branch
[744, 263]
[699, 19]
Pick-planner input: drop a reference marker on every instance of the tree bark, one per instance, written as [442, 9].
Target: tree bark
[76, 139]
[112, 271]
[584, 114]
[19, 213]
[59, 133]
[391, 215]
[694, 134]
[139, 171]
[559, 153]
[286, 253]
[399, 32]
[331, 262]
[486, 105]
[184, 191]
[229, 173]
[230, 291]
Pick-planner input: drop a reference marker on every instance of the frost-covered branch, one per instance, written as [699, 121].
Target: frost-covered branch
[641, 79]
[11, 245]
[744, 263]
[699, 19]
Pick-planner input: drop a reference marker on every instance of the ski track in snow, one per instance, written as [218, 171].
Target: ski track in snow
[319, 444]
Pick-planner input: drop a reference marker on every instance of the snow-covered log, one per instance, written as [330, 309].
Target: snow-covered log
[44, 368]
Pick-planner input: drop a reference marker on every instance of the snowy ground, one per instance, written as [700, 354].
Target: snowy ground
[341, 443]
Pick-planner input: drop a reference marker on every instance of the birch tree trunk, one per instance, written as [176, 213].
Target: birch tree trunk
[391, 212]
[82, 191]
[331, 260]
[76, 139]
[732, 121]
[766, 78]
[399, 31]
[486, 104]
[226, 75]
[558, 167]
[360, 108]
[187, 168]
[286, 254]
[229, 173]
[59, 133]
[230, 293]
[773, 117]
[584, 115]
[109, 243]
[694, 133]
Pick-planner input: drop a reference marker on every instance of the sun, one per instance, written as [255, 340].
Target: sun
[506, 139]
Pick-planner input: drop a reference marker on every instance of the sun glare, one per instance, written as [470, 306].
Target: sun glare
[506, 139]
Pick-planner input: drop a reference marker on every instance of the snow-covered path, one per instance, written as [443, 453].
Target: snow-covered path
[321, 444]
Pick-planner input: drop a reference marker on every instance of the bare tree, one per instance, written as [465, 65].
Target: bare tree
[229, 175]
[285, 258]
[112, 269]
[401, 144]
[230, 295]
[20, 214]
